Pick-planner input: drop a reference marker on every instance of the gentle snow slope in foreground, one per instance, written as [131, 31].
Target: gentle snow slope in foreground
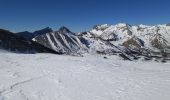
[54, 77]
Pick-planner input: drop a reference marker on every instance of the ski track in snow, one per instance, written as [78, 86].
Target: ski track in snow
[59, 77]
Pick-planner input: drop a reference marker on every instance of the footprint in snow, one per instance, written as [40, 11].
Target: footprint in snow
[13, 74]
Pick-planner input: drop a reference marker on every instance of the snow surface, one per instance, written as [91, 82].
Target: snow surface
[58, 77]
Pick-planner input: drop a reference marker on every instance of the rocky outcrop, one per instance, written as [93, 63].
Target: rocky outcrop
[158, 41]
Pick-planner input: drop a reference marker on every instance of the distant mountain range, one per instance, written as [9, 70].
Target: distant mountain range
[127, 41]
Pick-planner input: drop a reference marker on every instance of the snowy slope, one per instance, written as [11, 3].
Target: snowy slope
[57, 77]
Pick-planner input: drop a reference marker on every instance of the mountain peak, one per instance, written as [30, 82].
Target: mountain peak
[101, 27]
[123, 25]
[64, 29]
[43, 31]
[47, 28]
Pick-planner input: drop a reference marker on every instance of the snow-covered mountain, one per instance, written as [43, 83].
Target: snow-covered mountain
[143, 40]
[63, 41]
[128, 41]
[153, 36]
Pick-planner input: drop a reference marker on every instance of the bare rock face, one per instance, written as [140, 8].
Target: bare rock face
[133, 42]
[159, 42]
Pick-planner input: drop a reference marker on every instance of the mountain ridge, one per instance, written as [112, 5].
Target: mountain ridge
[30, 35]
[11, 42]
[128, 41]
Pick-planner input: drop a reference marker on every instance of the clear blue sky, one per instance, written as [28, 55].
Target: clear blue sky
[80, 15]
